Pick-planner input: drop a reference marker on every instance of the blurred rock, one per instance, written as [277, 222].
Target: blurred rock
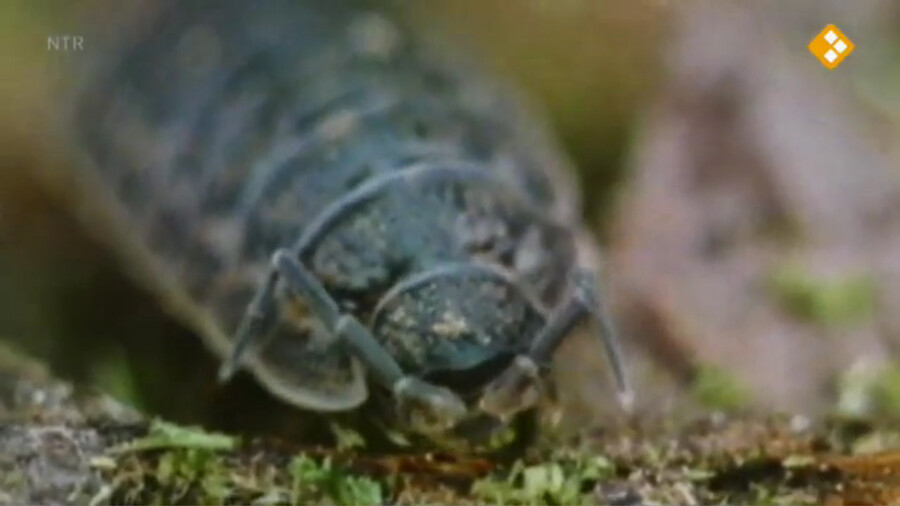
[757, 229]
[49, 435]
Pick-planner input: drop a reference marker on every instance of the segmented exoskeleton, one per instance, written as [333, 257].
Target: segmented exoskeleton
[328, 202]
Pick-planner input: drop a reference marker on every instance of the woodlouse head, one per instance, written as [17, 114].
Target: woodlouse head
[492, 357]
[464, 328]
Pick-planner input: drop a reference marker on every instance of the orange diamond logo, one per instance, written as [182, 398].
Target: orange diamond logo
[830, 46]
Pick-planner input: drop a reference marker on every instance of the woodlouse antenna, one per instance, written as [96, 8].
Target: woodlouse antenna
[503, 396]
[610, 338]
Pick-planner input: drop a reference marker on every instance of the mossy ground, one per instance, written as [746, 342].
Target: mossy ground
[715, 460]
[707, 459]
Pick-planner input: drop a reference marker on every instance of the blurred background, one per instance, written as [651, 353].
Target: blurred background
[748, 200]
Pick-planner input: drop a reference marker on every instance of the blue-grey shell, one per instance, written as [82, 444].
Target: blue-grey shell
[227, 129]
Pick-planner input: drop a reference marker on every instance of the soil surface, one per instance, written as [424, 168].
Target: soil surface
[59, 445]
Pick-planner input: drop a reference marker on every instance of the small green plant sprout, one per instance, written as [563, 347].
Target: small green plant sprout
[323, 481]
[715, 388]
[828, 302]
[165, 435]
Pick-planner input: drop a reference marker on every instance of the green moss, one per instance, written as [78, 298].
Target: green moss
[561, 480]
[164, 435]
[827, 302]
[185, 465]
[866, 390]
[321, 480]
[174, 465]
[346, 438]
[716, 389]
[196, 471]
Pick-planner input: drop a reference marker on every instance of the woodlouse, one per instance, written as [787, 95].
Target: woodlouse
[347, 203]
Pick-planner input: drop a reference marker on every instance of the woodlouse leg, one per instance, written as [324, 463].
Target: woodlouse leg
[256, 323]
[429, 408]
[517, 389]
[588, 291]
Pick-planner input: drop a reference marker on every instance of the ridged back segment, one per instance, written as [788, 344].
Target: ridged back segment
[231, 129]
